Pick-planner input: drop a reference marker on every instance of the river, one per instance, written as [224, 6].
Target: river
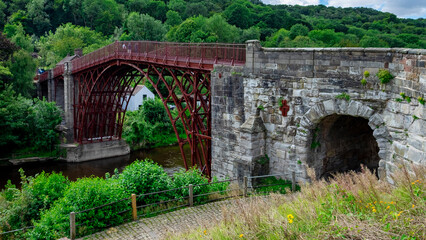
[168, 157]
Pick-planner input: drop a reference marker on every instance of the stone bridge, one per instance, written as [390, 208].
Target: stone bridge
[285, 110]
[334, 122]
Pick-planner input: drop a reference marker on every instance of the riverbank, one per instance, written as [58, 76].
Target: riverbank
[170, 158]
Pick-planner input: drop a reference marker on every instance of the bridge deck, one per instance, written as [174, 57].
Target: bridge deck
[187, 55]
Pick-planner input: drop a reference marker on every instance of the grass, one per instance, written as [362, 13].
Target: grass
[350, 206]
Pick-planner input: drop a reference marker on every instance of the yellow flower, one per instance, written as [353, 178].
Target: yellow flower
[205, 232]
[290, 216]
[387, 207]
[392, 202]
[413, 183]
[381, 201]
[374, 210]
[413, 206]
[241, 235]
[290, 221]
[375, 202]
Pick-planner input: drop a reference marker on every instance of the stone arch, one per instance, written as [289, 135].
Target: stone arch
[339, 107]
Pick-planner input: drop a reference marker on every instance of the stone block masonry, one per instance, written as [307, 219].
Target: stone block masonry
[334, 124]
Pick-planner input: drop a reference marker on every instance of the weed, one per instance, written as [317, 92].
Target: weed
[421, 100]
[364, 82]
[343, 96]
[384, 76]
[366, 74]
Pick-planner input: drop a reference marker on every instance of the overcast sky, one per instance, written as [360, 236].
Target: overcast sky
[401, 8]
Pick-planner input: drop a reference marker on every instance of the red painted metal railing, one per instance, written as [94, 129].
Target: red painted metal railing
[58, 71]
[188, 55]
[43, 77]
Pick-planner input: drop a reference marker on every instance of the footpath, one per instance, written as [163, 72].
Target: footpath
[161, 226]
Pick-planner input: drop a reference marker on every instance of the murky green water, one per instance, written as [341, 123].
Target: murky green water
[169, 157]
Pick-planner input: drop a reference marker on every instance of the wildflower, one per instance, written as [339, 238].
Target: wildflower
[374, 210]
[381, 201]
[413, 183]
[392, 202]
[290, 216]
[387, 207]
[375, 202]
[241, 235]
[205, 232]
[413, 206]
[290, 221]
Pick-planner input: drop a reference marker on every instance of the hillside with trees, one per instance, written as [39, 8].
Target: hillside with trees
[53, 28]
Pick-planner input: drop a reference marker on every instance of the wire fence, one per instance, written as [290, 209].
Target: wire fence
[145, 205]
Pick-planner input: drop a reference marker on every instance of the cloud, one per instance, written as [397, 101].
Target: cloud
[401, 8]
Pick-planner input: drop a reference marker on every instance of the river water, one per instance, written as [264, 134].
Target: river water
[168, 157]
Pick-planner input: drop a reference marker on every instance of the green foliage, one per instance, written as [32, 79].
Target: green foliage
[364, 82]
[85, 193]
[421, 100]
[27, 124]
[102, 15]
[150, 126]
[344, 95]
[22, 66]
[384, 76]
[55, 46]
[261, 107]
[192, 176]
[21, 206]
[173, 18]
[144, 27]
[366, 74]
[145, 177]
[282, 186]
[298, 30]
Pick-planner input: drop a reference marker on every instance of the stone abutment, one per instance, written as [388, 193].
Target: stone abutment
[335, 123]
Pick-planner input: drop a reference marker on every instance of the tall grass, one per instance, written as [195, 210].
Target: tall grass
[349, 206]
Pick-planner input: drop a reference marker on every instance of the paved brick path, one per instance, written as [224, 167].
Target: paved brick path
[160, 226]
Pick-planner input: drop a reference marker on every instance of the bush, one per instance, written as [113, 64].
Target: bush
[21, 207]
[27, 124]
[150, 126]
[192, 176]
[85, 193]
[145, 177]
[384, 76]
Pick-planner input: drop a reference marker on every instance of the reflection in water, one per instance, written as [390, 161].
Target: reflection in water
[168, 157]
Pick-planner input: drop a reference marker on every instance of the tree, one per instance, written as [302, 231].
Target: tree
[298, 30]
[102, 15]
[23, 68]
[327, 36]
[372, 41]
[173, 18]
[55, 46]
[2, 13]
[40, 19]
[144, 27]
[217, 26]
[238, 15]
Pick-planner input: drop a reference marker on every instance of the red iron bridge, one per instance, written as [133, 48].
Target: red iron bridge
[92, 89]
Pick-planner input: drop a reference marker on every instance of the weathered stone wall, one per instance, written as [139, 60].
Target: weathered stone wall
[310, 80]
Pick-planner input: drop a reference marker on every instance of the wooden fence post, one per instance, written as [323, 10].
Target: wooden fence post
[72, 226]
[293, 181]
[245, 183]
[134, 209]
[191, 195]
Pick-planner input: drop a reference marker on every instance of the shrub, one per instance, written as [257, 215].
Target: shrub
[192, 176]
[22, 206]
[85, 193]
[384, 76]
[145, 177]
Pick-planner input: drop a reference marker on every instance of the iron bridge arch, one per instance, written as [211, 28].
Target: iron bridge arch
[102, 103]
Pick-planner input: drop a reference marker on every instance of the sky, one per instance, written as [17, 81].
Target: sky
[401, 8]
